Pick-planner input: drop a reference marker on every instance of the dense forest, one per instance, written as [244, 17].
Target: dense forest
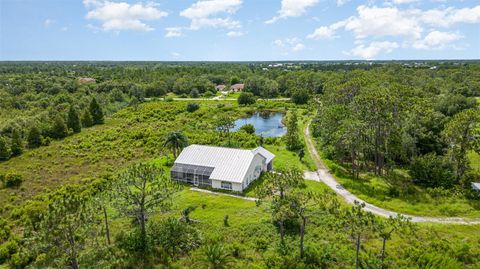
[86, 148]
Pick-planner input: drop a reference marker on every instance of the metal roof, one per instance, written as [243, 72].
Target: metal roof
[265, 153]
[476, 186]
[229, 164]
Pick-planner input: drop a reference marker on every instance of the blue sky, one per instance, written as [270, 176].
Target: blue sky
[238, 30]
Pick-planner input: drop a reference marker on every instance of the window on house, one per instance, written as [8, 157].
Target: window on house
[226, 185]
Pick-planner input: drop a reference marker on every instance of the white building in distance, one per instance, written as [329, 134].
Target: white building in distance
[220, 167]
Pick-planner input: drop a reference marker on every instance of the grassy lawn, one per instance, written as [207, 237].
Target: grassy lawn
[251, 231]
[233, 95]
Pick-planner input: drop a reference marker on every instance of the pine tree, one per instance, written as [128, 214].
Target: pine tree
[292, 137]
[73, 121]
[34, 138]
[4, 150]
[17, 143]
[96, 112]
[87, 120]
[59, 128]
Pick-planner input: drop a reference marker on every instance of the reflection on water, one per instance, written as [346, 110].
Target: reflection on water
[266, 124]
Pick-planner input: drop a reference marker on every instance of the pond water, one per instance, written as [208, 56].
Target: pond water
[266, 124]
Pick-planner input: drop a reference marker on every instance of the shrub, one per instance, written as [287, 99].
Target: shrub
[246, 98]
[168, 99]
[248, 128]
[208, 95]
[431, 170]
[7, 250]
[12, 180]
[191, 107]
[194, 93]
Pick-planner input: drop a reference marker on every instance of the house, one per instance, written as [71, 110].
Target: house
[86, 80]
[220, 88]
[476, 186]
[220, 167]
[237, 87]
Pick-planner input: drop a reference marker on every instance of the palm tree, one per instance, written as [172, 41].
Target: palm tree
[175, 141]
[216, 256]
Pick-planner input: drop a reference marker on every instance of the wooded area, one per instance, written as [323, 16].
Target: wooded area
[84, 165]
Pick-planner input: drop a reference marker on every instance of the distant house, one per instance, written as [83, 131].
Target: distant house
[237, 87]
[220, 88]
[220, 167]
[476, 186]
[86, 80]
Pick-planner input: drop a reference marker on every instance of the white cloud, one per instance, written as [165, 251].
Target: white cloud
[204, 13]
[437, 40]
[298, 47]
[174, 32]
[387, 21]
[289, 44]
[405, 26]
[449, 16]
[234, 34]
[324, 32]
[400, 2]
[371, 51]
[117, 16]
[341, 2]
[48, 22]
[292, 8]
[175, 55]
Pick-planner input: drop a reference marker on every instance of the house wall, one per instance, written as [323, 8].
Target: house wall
[257, 166]
[217, 184]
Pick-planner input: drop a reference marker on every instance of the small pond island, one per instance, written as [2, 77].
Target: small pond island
[267, 124]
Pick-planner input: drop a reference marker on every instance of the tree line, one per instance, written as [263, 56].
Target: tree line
[60, 126]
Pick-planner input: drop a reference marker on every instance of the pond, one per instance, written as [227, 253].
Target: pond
[266, 124]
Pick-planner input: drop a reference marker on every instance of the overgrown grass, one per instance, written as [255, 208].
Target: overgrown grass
[131, 135]
[410, 199]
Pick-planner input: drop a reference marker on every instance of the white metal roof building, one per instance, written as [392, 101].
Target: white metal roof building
[220, 167]
[476, 186]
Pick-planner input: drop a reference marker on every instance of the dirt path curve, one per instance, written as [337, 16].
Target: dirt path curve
[324, 175]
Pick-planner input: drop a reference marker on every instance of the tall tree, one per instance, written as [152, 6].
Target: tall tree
[96, 112]
[73, 120]
[175, 142]
[224, 124]
[292, 138]
[87, 119]
[59, 128]
[358, 222]
[278, 187]
[142, 189]
[17, 143]
[34, 138]
[307, 203]
[5, 152]
[386, 228]
[65, 226]
[462, 134]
